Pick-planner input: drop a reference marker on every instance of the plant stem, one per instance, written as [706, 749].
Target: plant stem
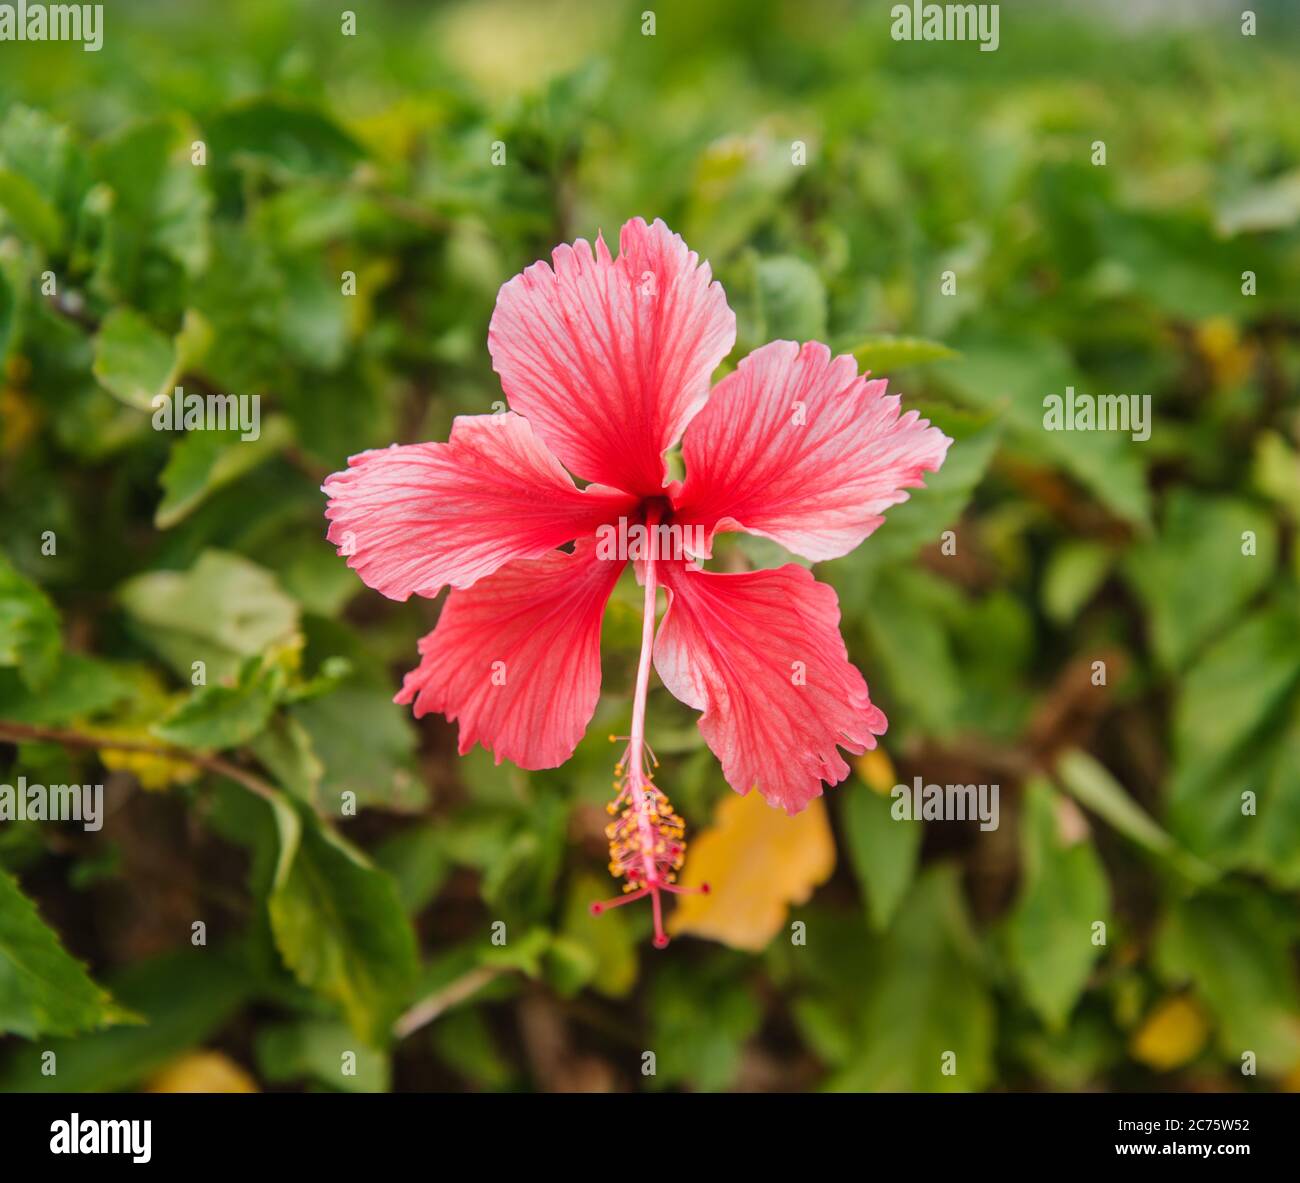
[457, 990]
[12, 732]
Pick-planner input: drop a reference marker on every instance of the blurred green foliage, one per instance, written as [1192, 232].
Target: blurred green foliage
[131, 553]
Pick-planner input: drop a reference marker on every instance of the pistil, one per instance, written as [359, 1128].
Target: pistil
[647, 839]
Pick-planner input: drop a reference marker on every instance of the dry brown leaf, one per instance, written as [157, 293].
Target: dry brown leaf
[757, 861]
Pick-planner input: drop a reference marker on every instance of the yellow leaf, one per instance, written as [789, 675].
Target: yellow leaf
[148, 701]
[1171, 1035]
[202, 1072]
[1229, 358]
[17, 369]
[154, 772]
[876, 770]
[757, 861]
[18, 418]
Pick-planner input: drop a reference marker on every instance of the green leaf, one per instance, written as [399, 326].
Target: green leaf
[1270, 847]
[365, 744]
[570, 965]
[1235, 796]
[40, 150]
[526, 953]
[928, 1006]
[221, 611]
[1074, 1058]
[339, 924]
[884, 851]
[8, 319]
[1063, 894]
[701, 1046]
[1014, 374]
[1270, 205]
[313, 323]
[133, 360]
[44, 991]
[243, 301]
[520, 881]
[791, 299]
[417, 861]
[29, 628]
[1234, 949]
[182, 997]
[160, 203]
[1229, 695]
[1200, 534]
[225, 716]
[312, 574]
[29, 211]
[1276, 471]
[1074, 573]
[1246, 816]
[1175, 261]
[323, 1051]
[201, 462]
[284, 138]
[79, 688]
[463, 1040]
[285, 748]
[1092, 785]
[831, 976]
[884, 353]
[612, 947]
[914, 650]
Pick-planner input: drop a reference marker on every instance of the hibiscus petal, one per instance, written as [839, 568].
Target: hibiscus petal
[760, 653]
[797, 447]
[610, 359]
[413, 519]
[516, 658]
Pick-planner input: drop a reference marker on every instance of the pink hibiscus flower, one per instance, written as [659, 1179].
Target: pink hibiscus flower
[606, 365]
